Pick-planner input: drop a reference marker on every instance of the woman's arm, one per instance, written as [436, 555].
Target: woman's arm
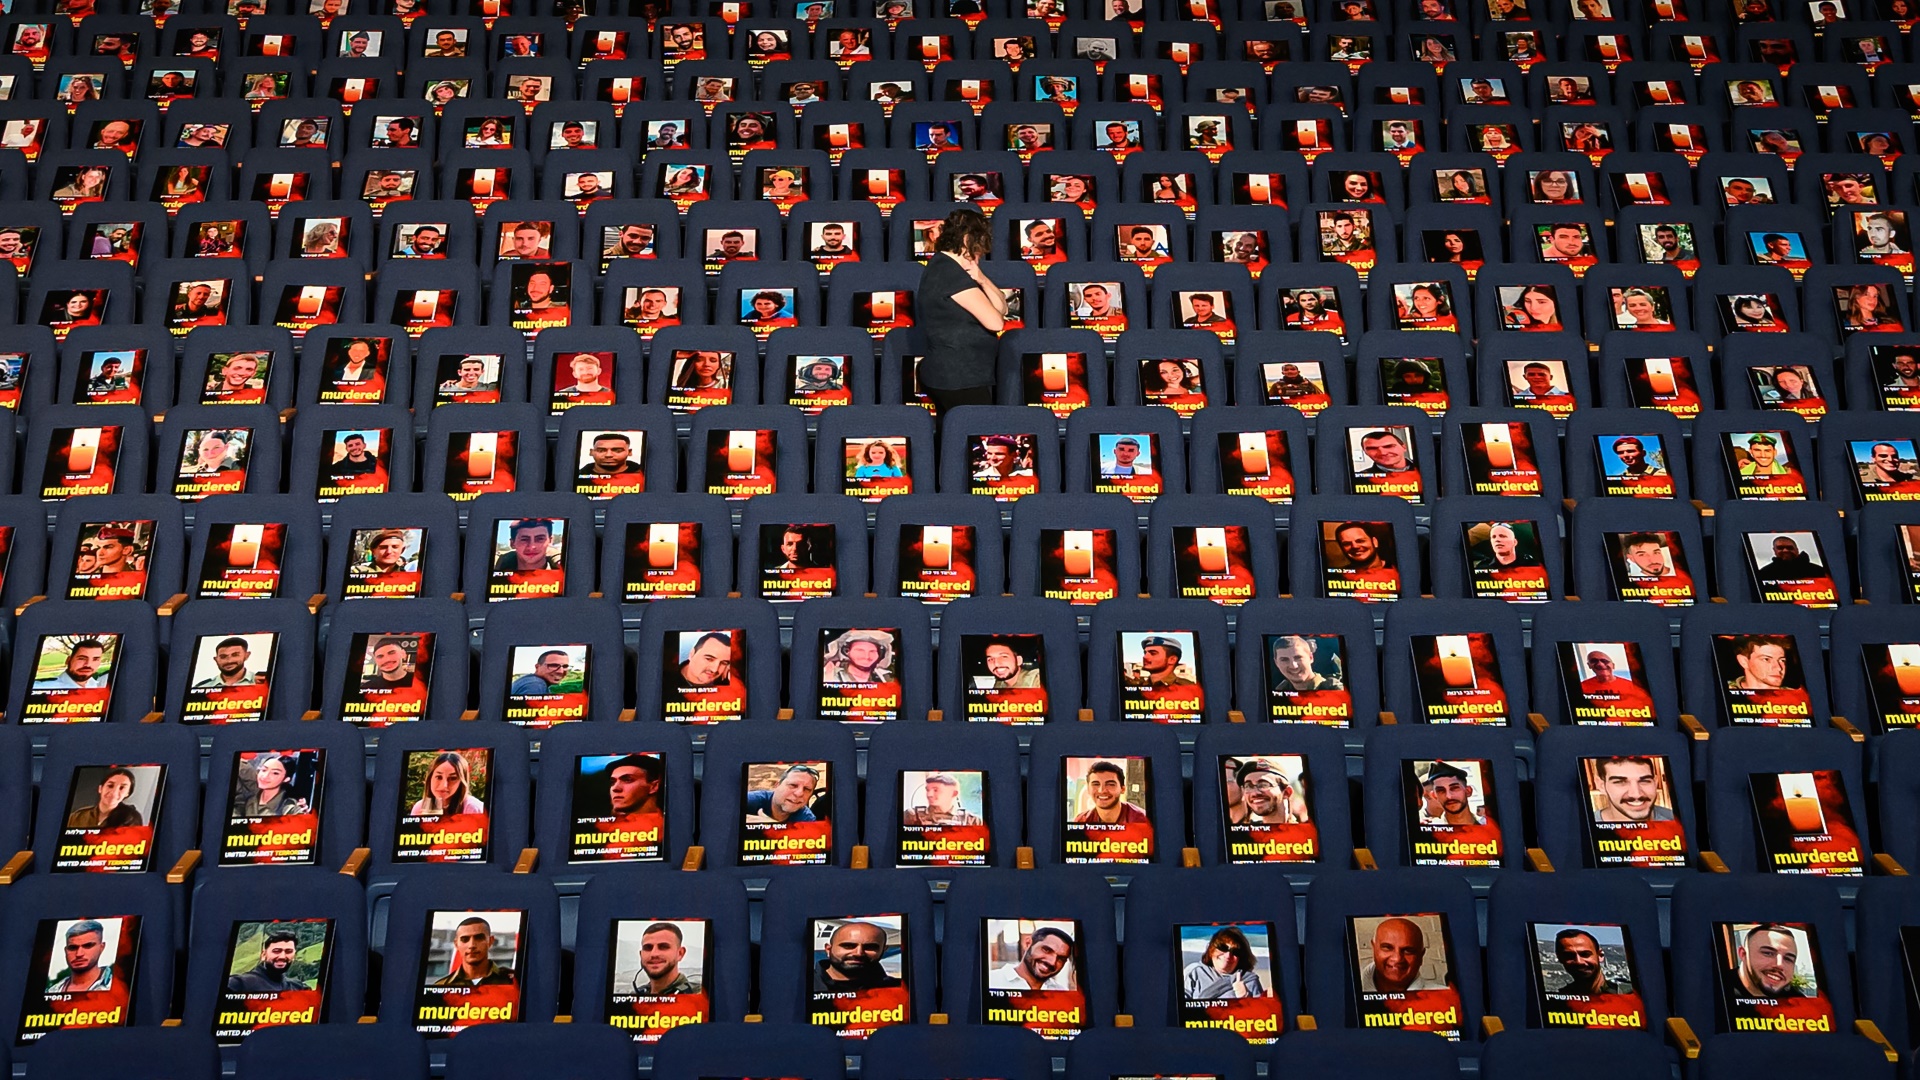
[984, 301]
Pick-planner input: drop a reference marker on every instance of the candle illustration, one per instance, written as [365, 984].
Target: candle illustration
[1211, 545]
[82, 449]
[1802, 799]
[1253, 453]
[740, 451]
[482, 446]
[1499, 440]
[243, 550]
[1906, 668]
[1660, 376]
[1053, 372]
[1076, 553]
[663, 546]
[1456, 661]
[936, 547]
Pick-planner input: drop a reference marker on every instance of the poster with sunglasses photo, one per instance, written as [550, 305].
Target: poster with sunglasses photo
[787, 814]
[1605, 682]
[1505, 561]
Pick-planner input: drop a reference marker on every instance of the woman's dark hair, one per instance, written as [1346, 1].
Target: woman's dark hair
[966, 232]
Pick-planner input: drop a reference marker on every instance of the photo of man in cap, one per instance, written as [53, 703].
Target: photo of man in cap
[942, 807]
[1267, 795]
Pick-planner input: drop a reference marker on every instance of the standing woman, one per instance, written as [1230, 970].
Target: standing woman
[961, 313]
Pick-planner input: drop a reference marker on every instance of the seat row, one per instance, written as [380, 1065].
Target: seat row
[998, 925]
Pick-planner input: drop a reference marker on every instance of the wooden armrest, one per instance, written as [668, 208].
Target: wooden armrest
[1713, 863]
[1841, 723]
[1023, 858]
[935, 716]
[16, 867]
[153, 718]
[1692, 726]
[1363, 859]
[470, 714]
[1305, 1022]
[1538, 722]
[170, 1022]
[564, 1018]
[286, 415]
[862, 857]
[1387, 719]
[183, 869]
[696, 858]
[316, 602]
[1888, 865]
[27, 603]
[1705, 510]
[369, 1019]
[1190, 857]
[783, 715]
[1123, 1020]
[752, 1018]
[529, 858]
[310, 714]
[1537, 860]
[1235, 716]
[596, 596]
[1491, 1026]
[936, 1018]
[1869, 1030]
[170, 605]
[1680, 1034]
[1085, 716]
[458, 597]
[356, 863]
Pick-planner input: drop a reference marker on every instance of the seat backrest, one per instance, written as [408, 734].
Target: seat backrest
[1713, 914]
[275, 639]
[454, 793]
[319, 1051]
[692, 1051]
[993, 920]
[1577, 811]
[1309, 829]
[1794, 783]
[502, 1051]
[135, 916]
[1158, 660]
[1412, 767]
[1346, 915]
[1076, 815]
[364, 688]
[425, 981]
[1455, 662]
[548, 663]
[775, 795]
[860, 660]
[619, 907]
[1179, 916]
[799, 980]
[234, 915]
[76, 661]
